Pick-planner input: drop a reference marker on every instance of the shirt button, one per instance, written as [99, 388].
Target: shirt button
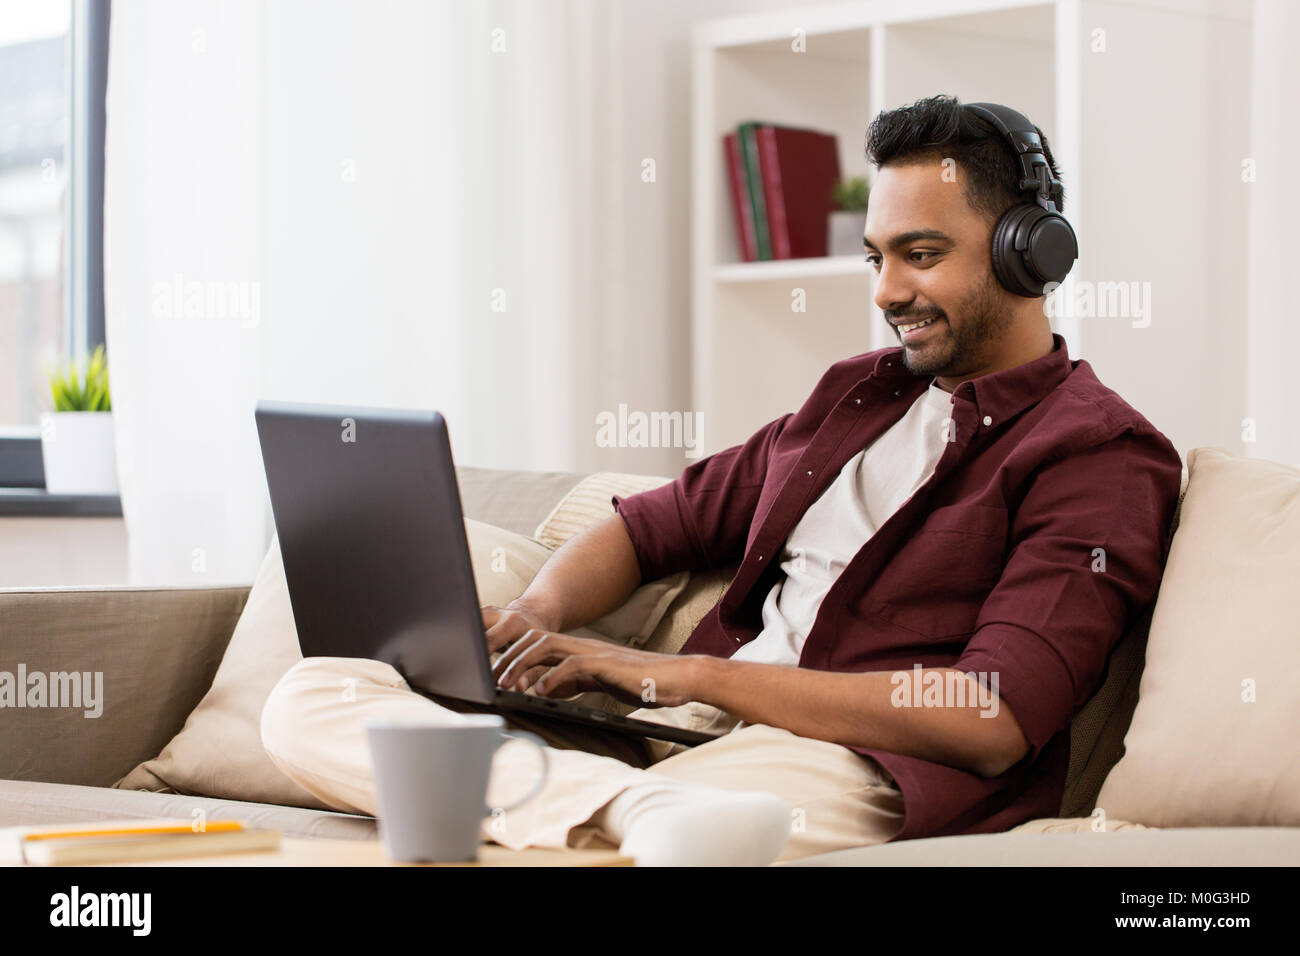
[760, 557]
[898, 391]
[987, 420]
[857, 401]
[810, 473]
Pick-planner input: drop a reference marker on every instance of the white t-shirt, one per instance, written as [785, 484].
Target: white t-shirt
[871, 486]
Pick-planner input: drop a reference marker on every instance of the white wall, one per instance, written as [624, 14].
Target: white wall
[655, 338]
[1188, 77]
[1272, 335]
[45, 552]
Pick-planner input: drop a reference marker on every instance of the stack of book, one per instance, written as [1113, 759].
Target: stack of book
[782, 184]
[123, 841]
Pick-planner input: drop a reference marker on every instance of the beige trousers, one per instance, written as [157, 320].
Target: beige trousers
[313, 729]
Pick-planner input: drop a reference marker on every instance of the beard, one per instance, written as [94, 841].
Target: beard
[955, 350]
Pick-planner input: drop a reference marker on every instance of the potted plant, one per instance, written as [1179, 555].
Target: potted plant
[846, 222]
[77, 437]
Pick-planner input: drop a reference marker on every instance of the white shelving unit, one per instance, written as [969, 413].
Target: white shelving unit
[754, 358]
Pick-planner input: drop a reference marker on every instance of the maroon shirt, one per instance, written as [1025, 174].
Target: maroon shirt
[988, 567]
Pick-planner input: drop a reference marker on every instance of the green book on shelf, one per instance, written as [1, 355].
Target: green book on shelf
[748, 136]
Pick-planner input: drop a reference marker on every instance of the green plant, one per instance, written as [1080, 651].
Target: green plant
[851, 194]
[82, 389]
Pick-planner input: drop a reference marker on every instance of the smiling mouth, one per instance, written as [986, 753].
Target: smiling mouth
[912, 331]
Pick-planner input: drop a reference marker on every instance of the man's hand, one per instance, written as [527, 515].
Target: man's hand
[569, 665]
[505, 625]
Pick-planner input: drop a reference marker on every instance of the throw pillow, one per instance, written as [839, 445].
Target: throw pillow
[1213, 738]
[588, 502]
[218, 752]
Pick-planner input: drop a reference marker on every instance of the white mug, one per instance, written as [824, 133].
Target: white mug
[431, 781]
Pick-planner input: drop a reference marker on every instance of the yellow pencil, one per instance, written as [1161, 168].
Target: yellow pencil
[211, 827]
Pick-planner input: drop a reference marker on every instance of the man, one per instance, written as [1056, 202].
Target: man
[937, 553]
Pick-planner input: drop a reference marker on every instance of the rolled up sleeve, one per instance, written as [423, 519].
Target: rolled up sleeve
[701, 519]
[1087, 551]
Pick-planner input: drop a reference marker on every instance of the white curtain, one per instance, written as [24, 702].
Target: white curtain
[402, 204]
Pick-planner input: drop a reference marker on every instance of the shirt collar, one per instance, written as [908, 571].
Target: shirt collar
[1000, 395]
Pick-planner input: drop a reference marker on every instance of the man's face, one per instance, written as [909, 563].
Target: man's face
[930, 252]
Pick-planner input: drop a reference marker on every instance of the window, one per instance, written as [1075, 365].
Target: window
[53, 71]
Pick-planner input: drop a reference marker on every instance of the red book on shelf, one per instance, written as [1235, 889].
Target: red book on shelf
[800, 169]
[740, 203]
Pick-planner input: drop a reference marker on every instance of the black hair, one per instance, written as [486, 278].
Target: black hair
[937, 128]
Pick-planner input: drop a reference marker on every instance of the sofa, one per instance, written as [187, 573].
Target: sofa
[159, 650]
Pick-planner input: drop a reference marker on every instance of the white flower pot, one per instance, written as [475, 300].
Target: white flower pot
[77, 449]
[844, 233]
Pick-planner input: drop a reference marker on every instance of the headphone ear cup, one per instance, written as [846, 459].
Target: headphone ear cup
[1050, 249]
[1004, 250]
[1050, 255]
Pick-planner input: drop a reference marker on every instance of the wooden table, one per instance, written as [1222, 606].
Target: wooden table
[302, 851]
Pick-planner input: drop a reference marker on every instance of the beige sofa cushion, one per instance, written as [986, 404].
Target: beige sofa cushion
[219, 750]
[1213, 739]
[218, 753]
[26, 803]
[157, 648]
[505, 564]
[1200, 846]
[1099, 824]
[589, 502]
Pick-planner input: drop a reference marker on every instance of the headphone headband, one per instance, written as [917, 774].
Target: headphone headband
[1033, 245]
[1025, 142]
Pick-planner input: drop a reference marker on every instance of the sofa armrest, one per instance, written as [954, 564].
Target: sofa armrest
[144, 657]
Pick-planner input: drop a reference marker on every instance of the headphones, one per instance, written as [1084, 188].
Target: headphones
[1033, 244]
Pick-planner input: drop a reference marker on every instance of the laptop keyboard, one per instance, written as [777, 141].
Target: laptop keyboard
[646, 728]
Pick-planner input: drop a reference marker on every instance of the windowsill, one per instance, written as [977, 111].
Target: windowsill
[39, 503]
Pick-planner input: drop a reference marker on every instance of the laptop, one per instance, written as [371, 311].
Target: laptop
[371, 531]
